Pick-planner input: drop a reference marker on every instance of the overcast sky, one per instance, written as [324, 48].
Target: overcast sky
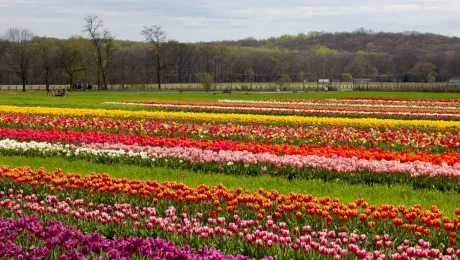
[206, 20]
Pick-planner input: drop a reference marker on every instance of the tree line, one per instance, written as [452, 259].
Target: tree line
[98, 57]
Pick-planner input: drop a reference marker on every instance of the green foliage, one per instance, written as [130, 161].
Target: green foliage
[426, 70]
[346, 77]
[205, 80]
[451, 54]
[362, 66]
[283, 80]
[321, 50]
[362, 53]
[301, 77]
[370, 46]
[256, 49]
[286, 38]
[245, 87]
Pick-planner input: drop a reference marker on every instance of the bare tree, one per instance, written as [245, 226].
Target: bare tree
[71, 59]
[157, 37]
[19, 52]
[47, 53]
[103, 43]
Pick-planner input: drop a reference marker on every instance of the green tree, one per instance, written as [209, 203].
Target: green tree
[205, 80]
[426, 70]
[321, 50]
[346, 77]
[301, 77]
[283, 80]
[370, 46]
[362, 67]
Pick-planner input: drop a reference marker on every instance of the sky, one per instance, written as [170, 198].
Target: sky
[216, 20]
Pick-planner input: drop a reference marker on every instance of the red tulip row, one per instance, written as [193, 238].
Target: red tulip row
[385, 138]
[51, 136]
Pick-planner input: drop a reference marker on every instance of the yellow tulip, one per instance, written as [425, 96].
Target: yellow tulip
[248, 118]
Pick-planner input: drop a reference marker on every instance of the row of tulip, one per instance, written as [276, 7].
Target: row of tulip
[241, 118]
[422, 104]
[221, 201]
[308, 106]
[327, 151]
[196, 215]
[420, 174]
[303, 110]
[387, 138]
[377, 102]
[29, 238]
[252, 237]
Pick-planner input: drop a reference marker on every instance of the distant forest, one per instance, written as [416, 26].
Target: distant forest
[98, 57]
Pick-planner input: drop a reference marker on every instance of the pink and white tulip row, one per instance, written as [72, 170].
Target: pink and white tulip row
[227, 158]
[339, 164]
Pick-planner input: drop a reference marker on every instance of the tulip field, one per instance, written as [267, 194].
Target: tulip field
[231, 178]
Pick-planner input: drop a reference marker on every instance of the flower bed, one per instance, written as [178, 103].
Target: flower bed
[51, 136]
[254, 224]
[372, 102]
[298, 109]
[237, 118]
[386, 138]
[29, 238]
[355, 164]
[68, 216]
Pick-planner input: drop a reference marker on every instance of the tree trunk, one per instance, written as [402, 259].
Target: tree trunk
[104, 81]
[123, 79]
[71, 81]
[24, 79]
[47, 83]
[132, 76]
[99, 78]
[159, 78]
[159, 71]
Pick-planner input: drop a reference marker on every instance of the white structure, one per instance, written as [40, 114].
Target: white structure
[323, 81]
[454, 80]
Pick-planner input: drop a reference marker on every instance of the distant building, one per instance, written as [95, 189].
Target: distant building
[454, 80]
[361, 80]
[323, 81]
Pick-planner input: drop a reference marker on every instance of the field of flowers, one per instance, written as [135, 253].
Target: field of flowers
[405, 109]
[359, 141]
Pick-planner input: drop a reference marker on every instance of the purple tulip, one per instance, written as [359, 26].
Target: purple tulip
[71, 243]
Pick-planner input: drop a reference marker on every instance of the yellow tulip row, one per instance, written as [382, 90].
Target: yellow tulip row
[248, 118]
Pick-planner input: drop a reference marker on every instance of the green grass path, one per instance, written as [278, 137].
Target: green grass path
[95, 99]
